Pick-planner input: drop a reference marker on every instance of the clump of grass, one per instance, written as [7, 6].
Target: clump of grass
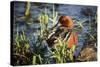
[22, 54]
[21, 50]
[61, 53]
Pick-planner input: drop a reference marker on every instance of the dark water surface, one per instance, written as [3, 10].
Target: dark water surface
[63, 9]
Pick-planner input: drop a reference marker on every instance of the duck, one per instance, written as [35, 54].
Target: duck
[65, 30]
[67, 22]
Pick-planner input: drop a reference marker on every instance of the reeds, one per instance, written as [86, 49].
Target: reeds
[22, 50]
[54, 18]
[44, 19]
[61, 53]
[37, 59]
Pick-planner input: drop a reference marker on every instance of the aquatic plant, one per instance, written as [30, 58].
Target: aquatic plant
[61, 53]
[37, 59]
[89, 13]
[54, 17]
[21, 51]
[44, 19]
[27, 15]
[27, 12]
[90, 32]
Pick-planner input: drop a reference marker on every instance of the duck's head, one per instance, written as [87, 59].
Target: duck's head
[66, 21]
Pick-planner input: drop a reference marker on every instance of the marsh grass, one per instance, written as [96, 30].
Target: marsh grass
[44, 19]
[22, 50]
[37, 59]
[61, 53]
[54, 17]
[90, 32]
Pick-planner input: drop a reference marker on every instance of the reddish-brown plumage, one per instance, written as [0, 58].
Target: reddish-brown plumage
[73, 40]
[67, 22]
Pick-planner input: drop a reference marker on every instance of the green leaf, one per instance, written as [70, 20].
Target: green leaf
[73, 48]
[46, 18]
[27, 12]
[40, 59]
[27, 46]
[34, 60]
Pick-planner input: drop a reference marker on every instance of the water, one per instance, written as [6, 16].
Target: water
[33, 31]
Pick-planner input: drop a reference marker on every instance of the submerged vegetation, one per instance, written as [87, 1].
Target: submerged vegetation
[39, 53]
